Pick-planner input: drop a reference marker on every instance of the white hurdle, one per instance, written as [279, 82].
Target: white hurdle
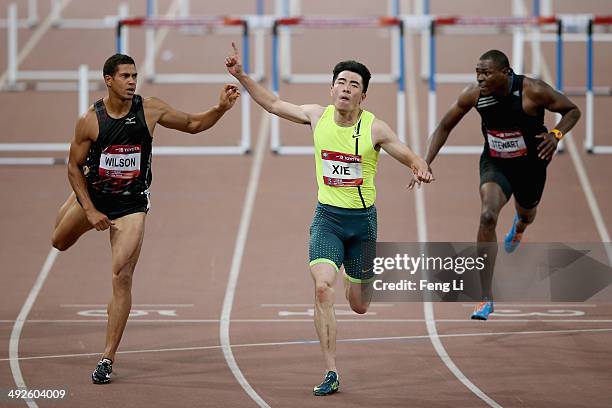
[28, 22]
[497, 23]
[344, 22]
[209, 78]
[83, 105]
[258, 23]
[14, 75]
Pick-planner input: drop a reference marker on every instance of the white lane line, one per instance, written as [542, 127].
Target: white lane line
[500, 304]
[499, 319]
[135, 305]
[312, 305]
[316, 342]
[241, 239]
[421, 217]
[21, 318]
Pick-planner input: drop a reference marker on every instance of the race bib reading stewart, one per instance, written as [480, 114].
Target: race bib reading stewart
[506, 144]
[120, 162]
[341, 169]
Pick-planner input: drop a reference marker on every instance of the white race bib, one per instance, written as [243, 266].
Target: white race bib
[506, 144]
[341, 169]
[120, 161]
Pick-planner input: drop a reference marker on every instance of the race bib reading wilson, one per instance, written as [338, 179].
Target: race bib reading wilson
[120, 162]
[341, 169]
[506, 144]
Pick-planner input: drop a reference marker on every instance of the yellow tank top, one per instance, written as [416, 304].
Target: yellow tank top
[345, 161]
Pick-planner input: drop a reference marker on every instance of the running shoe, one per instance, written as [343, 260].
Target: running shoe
[329, 385]
[512, 239]
[101, 374]
[483, 310]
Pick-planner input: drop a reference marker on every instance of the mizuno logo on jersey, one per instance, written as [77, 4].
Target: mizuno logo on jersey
[131, 121]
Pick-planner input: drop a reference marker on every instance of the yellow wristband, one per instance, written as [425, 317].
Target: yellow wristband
[558, 134]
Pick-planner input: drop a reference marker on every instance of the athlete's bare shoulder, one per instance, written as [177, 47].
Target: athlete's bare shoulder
[538, 91]
[314, 112]
[469, 96]
[87, 125]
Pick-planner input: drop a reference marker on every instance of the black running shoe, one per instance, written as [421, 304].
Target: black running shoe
[101, 374]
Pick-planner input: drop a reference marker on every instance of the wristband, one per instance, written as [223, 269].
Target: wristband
[558, 134]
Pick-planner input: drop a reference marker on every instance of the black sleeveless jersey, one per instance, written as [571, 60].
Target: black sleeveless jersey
[119, 161]
[508, 131]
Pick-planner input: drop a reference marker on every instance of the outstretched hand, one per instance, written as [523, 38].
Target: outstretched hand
[232, 63]
[229, 94]
[421, 173]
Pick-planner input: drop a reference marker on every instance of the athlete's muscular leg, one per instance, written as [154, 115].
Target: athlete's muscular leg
[64, 208]
[526, 217]
[492, 200]
[70, 223]
[324, 276]
[126, 240]
[358, 295]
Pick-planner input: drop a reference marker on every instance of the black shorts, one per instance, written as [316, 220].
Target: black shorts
[523, 177]
[118, 205]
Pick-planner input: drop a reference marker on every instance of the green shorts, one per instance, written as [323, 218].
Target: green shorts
[344, 236]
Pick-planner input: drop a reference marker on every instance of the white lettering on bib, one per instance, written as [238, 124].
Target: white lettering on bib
[506, 144]
[341, 169]
[120, 161]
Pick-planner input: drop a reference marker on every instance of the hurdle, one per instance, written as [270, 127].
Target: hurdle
[488, 22]
[83, 105]
[292, 8]
[245, 99]
[28, 22]
[14, 74]
[255, 23]
[327, 22]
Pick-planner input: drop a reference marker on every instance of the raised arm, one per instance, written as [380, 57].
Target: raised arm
[84, 134]
[303, 114]
[164, 114]
[385, 137]
[466, 101]
[541, 95]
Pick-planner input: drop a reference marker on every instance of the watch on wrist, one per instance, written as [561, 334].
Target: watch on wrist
[557, 133]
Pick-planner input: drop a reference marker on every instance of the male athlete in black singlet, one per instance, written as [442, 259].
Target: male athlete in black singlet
[516, 152]
[109, 169]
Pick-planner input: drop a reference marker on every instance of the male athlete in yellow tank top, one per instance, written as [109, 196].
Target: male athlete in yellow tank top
[347, 142]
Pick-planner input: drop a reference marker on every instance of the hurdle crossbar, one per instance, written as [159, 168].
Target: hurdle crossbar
[327, 22]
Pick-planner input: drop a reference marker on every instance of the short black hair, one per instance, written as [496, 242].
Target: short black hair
[355, 67]
[112, 63]
[499, 58]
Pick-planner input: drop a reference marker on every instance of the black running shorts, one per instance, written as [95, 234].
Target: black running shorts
[523, 177]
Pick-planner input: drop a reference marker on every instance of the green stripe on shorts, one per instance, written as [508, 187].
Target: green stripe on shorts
[323, 260]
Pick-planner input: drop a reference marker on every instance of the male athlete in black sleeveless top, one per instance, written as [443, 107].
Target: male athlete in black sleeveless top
[109, 169]
[516, 152]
